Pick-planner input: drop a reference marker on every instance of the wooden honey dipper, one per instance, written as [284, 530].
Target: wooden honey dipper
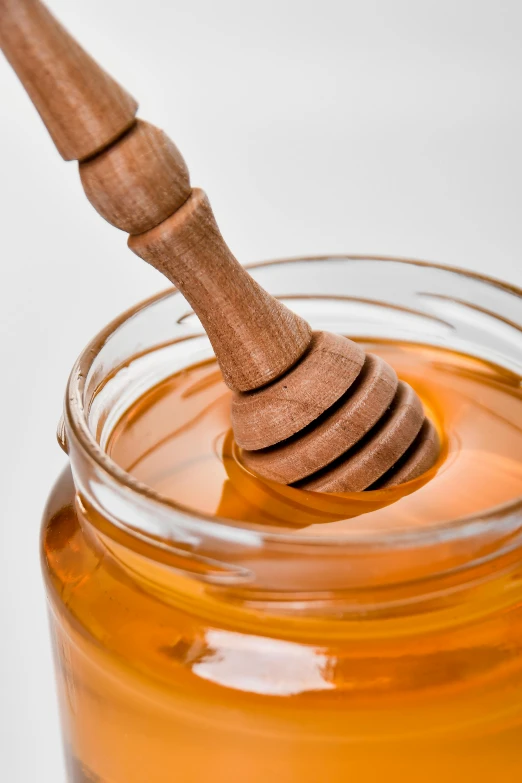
[309, 408]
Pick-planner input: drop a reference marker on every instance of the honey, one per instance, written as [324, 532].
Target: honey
[164, 676]
[177, 440]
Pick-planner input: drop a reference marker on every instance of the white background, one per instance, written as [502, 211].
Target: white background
[385, 126]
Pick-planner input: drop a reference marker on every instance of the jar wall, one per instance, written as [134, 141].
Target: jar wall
[149, 690]
[175, 656]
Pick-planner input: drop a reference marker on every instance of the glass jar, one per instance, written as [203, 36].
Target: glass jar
[193, 648]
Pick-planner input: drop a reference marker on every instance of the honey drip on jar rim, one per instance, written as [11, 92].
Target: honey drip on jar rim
[177, 439]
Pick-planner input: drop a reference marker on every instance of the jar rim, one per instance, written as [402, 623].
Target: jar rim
[76, 417]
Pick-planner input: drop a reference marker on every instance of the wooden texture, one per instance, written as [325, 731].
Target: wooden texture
[308, 410]
[83, 108]
[278, 411]
[333, 434]
[255, 337]
[138, 181]
[376, 454]
[420, 457]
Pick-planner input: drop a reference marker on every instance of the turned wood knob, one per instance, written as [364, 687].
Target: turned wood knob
[138, 182]
[309, 409]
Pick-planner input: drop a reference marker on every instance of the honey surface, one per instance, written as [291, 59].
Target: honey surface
[177, 440]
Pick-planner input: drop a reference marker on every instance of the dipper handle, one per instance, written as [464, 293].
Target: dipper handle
[309, 410]
[137, 179]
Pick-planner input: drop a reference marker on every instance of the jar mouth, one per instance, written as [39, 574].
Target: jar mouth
[504, 517]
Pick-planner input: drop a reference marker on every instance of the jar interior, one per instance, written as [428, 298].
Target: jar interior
[363, 298]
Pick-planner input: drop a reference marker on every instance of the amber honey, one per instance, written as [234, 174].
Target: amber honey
[177, 440]
[166, 677]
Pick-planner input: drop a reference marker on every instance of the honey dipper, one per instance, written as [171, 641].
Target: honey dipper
[309, 408]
